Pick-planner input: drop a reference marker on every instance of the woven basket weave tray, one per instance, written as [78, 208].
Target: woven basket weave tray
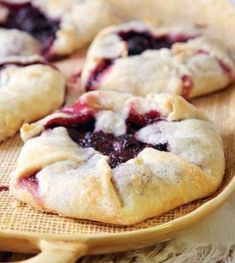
[22, 221]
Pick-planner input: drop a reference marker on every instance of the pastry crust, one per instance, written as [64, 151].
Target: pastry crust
[17, 43]
[196, 67]
[77, 22]
[79, 182]
[80, 22]
[28, 94]
[215, 18]
[77, 30]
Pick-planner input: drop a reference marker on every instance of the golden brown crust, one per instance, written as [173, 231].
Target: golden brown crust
[79, 22]
[78, 182]
[193, 68]
[28, 94]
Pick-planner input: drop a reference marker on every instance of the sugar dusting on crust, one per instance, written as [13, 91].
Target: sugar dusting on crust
[110, 122]
[17, 43]
[189, 139]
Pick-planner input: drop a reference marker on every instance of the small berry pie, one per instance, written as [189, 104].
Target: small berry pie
[140, 58]
[57, 27]
[29, 90]
[118, 158]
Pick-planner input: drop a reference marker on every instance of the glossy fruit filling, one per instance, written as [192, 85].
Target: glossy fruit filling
[226, 69]
[98, 73]
[4, 188]
[26, 17]
[119, 149]
[30, 183]
[138, 42]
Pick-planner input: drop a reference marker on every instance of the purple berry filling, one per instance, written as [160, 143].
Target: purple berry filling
[143, 119]
[119, 148]
[31, 184]
[97, 73]
[79, 113]
[138, 42]
[4, 188]
[226, 68]
[26, 17]
[187, 86]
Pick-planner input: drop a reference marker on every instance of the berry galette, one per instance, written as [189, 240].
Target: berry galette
[140, 58]
[57, 27]
[120, 159]
[29, 91]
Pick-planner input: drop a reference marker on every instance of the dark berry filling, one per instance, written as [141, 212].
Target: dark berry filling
[142, 120]
[97, 73]
[78, 113]
[202, 52]
[226, 69]
[26, 17]
[4, 188]
[119, 148]
[138, 42]
[187, 86]
[31, 184]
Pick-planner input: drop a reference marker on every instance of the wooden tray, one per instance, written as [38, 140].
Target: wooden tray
[23, 229]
